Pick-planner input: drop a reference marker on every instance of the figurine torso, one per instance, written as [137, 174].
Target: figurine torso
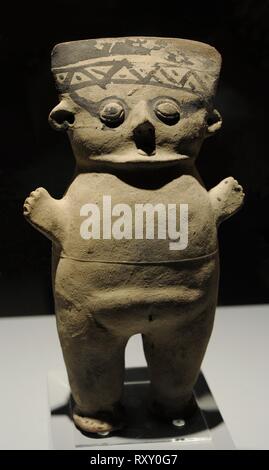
[127, 276]
[92, 187]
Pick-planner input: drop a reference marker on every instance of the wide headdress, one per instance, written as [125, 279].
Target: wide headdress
[165, 62]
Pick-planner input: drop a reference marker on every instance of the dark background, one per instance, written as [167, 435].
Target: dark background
[34, 155]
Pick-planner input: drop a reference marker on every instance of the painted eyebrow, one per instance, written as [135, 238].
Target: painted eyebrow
[93, 106]
[193, 101]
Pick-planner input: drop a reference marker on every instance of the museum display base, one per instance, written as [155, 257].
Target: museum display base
[204, 430]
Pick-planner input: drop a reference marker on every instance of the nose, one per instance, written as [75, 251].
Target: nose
[143, 129]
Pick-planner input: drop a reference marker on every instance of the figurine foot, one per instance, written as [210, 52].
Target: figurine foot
[176, 414]
[95, 425]
[92, 425]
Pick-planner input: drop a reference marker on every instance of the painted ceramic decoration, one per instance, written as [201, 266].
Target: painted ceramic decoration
[135, 235]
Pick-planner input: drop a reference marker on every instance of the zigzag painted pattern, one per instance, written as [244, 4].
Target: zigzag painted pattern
[73, 78]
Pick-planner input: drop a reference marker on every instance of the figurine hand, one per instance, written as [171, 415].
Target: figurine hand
[33, 202]
[47, 214]
[226, 198]
[233, 191]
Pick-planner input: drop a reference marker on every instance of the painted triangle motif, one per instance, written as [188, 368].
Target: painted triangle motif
[99, 71]
[145, 72]
[168, 76]
[79, 77]
[61, 77]
[155, 79]
[123, 74]
[190, 81]
[176, 73]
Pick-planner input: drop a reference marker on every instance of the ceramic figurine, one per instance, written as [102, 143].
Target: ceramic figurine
[135, 235]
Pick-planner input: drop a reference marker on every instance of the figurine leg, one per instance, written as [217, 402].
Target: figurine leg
[94, 360]
[174, 355]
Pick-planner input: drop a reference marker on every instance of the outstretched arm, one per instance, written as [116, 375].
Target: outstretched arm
[226, 198]
[47, 214]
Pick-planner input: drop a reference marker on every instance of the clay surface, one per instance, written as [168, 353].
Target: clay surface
[136, 111]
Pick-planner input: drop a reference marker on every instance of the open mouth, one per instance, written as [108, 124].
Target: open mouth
[140, 156]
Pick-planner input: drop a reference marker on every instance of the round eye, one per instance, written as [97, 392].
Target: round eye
[167, 112]
[112, 114]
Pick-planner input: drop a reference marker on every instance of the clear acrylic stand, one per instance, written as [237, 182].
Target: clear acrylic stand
[204, 430]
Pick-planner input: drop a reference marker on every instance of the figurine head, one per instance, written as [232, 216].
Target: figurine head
[136, 99]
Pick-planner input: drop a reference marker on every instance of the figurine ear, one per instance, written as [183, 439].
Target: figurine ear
[214, 122]
[62, 117]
